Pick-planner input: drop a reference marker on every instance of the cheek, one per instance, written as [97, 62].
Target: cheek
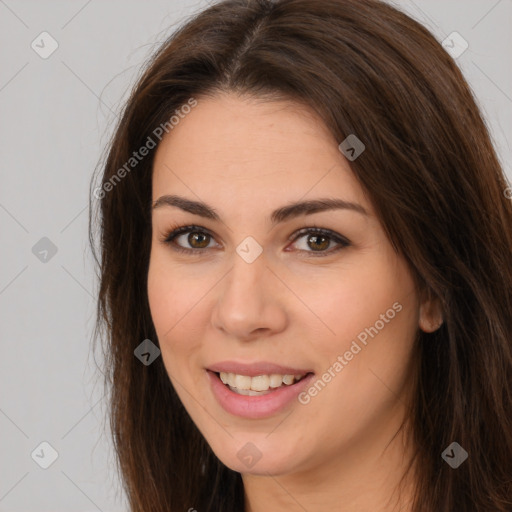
[160, 294]
[374, 314]
[353, 298]
[362, 389]
[169, 300]
[177, 305]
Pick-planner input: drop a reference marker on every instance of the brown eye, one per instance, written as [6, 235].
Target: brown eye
[318, 242]
[199, 238]
[196, 241]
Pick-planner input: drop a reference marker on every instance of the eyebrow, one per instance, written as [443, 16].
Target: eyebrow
[280, 215]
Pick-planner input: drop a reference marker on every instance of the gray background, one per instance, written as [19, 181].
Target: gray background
[56, 116]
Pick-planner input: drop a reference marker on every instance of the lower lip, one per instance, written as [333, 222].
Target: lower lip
[254, 407]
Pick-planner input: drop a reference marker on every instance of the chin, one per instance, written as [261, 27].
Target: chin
[258, 455]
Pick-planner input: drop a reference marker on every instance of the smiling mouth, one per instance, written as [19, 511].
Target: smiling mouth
[259, 385]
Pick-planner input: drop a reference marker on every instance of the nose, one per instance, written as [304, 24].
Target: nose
[250, 302]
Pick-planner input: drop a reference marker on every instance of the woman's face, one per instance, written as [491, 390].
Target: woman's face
[256, 293]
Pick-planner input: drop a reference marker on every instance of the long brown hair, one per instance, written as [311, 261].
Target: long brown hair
[432, 174]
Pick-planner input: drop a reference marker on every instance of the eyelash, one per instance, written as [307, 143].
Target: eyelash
[175, 231]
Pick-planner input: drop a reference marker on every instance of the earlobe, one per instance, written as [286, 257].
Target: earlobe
[431, 314]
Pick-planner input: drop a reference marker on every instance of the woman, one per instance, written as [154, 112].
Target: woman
[305, 270]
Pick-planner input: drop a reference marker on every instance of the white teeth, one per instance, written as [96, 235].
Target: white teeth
[241, 381]
[259, 383]
[288, 379]
[276, 380]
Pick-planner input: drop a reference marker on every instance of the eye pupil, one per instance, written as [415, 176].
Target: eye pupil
[192, 237]
[316, 238]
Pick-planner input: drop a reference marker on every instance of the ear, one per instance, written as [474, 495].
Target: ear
[431, 313]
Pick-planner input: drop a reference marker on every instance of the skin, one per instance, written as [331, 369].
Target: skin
[294, 307]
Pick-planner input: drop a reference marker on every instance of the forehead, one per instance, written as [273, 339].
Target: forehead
[250, 149]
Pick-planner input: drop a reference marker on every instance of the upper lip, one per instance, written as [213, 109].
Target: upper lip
[255, 369]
